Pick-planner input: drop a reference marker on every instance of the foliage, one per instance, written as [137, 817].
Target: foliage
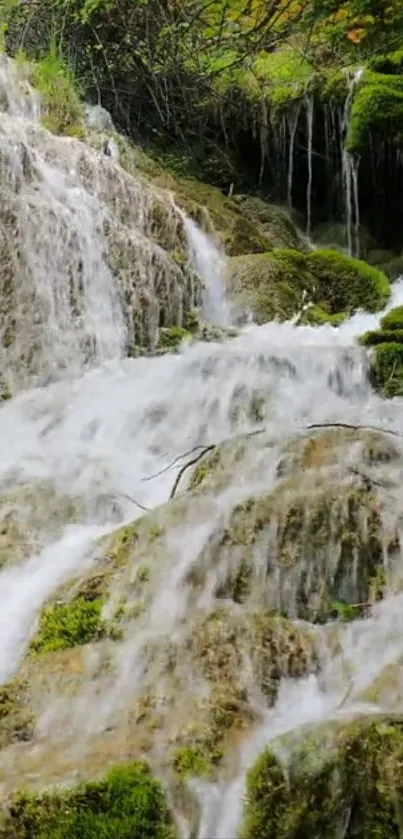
[128, 803]
[190, 761]
[63, 111]
[64, 625]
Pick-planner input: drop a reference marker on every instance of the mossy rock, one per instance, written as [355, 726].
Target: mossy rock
[272, 221]
[272, 285]
[382, 336]
[340, 780]
[128, 803]
[316, 315]
[16, 718]
[377, 109]
[345, 284]
[386, 372]
[393, 319]
[283, 283]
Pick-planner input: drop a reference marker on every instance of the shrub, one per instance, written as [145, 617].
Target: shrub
[63, 111]
[128, 803]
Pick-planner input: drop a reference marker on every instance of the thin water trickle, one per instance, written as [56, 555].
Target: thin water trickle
[209, 263]
[310, 111]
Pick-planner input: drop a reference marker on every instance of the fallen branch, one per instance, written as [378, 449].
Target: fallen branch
[353, 427]
[191, 463]
[133, 501]
[174, 462]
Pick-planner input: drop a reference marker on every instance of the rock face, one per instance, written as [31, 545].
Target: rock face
[86, 251]
[186, 665]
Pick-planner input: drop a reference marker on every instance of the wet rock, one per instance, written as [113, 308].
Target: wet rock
[341, 779]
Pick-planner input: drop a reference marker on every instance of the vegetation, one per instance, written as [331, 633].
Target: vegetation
[339, 781]
[386, 371]
[62, 106]
[64, 625]
[282, 283]
[128, 803]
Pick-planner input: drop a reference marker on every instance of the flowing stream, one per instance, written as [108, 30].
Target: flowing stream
[100, 433]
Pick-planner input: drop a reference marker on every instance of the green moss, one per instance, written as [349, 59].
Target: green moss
[63, 110]
[344, 284]
[191, 761]
[346, 781]
[377, 108]
[317, 316]
[273, 285]
[382, 336]
[393, 319]
[280, 283]
[64, 625]
[128, 803]
[279, 649]
[16, 720]
[172, 337]
[203, 469]
[122, 542]
[387, 369]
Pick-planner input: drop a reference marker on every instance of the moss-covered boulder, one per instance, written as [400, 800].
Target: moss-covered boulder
[386, 370]
[271, 285]
[128, 803]
[316, 546]
[345, 284]
[339, 781]
[322, 286]
[377, 109]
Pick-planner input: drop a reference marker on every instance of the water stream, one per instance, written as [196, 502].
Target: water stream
[98, 434]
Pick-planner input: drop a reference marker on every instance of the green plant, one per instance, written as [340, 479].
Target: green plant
[62, 108]
[172, 337]
[189, 761]
[64, 625]
[128, 803]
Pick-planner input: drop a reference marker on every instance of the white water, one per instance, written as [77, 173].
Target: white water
[209, 263]
[350, 166]
[100, 433]
[292, 130]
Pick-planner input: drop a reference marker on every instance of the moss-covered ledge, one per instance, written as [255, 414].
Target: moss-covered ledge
[128, 803]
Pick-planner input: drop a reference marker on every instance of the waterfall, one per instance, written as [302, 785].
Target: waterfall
[94, 441]
[209, 262]
[309, 119]
[292, 129]
[86, 250]
[350, 167]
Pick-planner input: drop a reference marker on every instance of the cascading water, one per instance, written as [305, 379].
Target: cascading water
[105, 438]
[350, 166]
[210, 265]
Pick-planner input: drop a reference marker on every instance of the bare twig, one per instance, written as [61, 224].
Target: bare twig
[190, 463]
[354, 427]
